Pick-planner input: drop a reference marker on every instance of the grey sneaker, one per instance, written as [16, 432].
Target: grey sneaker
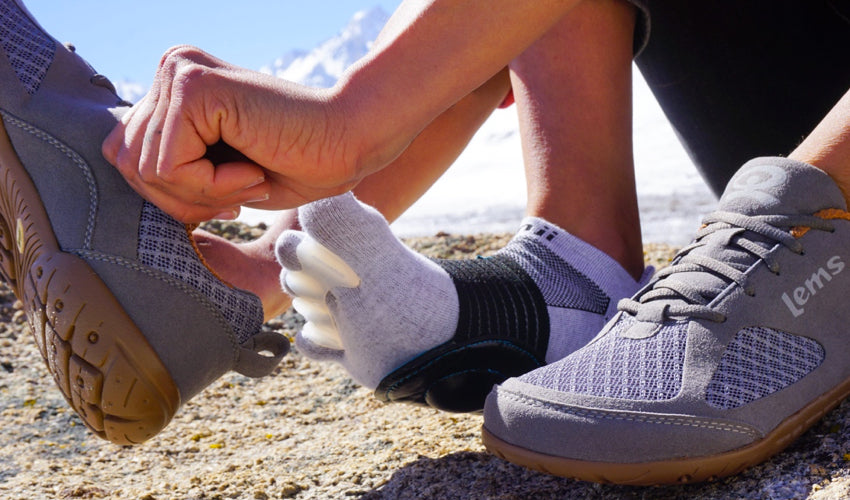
[720, 362]
[129, 320]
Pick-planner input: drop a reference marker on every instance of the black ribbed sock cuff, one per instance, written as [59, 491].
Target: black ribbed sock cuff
[498, 299]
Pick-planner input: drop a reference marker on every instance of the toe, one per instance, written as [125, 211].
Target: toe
[285, 249]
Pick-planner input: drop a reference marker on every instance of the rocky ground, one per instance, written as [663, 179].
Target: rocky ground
[309, 432]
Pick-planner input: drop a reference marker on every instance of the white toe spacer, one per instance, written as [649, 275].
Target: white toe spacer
[321, 271]
[322, 336]
[303, 285]
[313, 311]
[325, 266]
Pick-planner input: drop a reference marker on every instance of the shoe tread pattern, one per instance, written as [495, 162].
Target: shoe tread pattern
[99, 359]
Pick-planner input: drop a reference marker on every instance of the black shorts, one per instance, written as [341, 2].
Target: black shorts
[743, 78]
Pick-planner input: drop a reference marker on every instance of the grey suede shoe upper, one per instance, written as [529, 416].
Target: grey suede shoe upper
[743, 330]
[57, 111]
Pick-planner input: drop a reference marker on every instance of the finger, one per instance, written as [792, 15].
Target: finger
[182, 165]
[286, 193]
[113, 144]
[120, 139]
[187, 212]
[201, 182]
[235, 179]
[149, 136]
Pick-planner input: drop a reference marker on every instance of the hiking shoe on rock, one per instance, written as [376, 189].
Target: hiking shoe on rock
[129, 320]
[724, 359]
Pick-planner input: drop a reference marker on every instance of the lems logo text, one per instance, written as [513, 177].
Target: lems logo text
[800, 295]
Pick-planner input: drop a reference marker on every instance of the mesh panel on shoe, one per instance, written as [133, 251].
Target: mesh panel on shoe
[615, 367]
[561, 284]
[29, 50]
[758, 362]
[165, 246]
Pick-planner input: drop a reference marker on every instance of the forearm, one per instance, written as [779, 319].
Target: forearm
[430, 55]
[395, 188]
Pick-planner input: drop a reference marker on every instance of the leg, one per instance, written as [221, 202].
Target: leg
[540, 298]
[252, 266]
[828, 147]
[577, 130]
[755, 91]
[747, 325]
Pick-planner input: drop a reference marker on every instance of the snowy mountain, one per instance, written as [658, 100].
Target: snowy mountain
[322, 66]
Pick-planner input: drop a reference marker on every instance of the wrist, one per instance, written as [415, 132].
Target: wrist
[379, 122]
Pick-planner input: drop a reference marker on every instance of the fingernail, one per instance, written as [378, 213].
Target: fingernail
[262, 197]
[256, 182]
[228, 215]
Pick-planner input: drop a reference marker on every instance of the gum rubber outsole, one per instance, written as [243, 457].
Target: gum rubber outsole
[107, 371]
[681, 471]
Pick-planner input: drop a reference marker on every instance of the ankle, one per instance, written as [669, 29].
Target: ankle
[828, 146]
[622, 244]
[837, 168]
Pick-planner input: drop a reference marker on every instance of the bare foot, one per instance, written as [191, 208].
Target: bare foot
[250, 266]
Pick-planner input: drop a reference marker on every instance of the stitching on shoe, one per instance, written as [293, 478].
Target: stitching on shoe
[120, 261]
[190, 228]
[71, 155]
[632, 417]
[164, 245]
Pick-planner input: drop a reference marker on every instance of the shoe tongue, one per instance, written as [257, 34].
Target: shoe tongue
[779, 186]
[764, 186]
[772, 186]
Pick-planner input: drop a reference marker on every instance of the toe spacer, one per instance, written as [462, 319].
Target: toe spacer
[456, 377]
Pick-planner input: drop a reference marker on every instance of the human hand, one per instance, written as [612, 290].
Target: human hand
[290, 141]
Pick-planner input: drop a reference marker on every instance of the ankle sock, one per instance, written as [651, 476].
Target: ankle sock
[580, 284]
[544, 283]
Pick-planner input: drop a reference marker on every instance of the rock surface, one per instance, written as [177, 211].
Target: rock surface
[309, 432]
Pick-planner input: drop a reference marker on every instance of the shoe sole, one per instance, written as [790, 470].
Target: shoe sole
[456, 376]
[682, 471]
[102, 363]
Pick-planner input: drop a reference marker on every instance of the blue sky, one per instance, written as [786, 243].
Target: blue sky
[125, 39]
